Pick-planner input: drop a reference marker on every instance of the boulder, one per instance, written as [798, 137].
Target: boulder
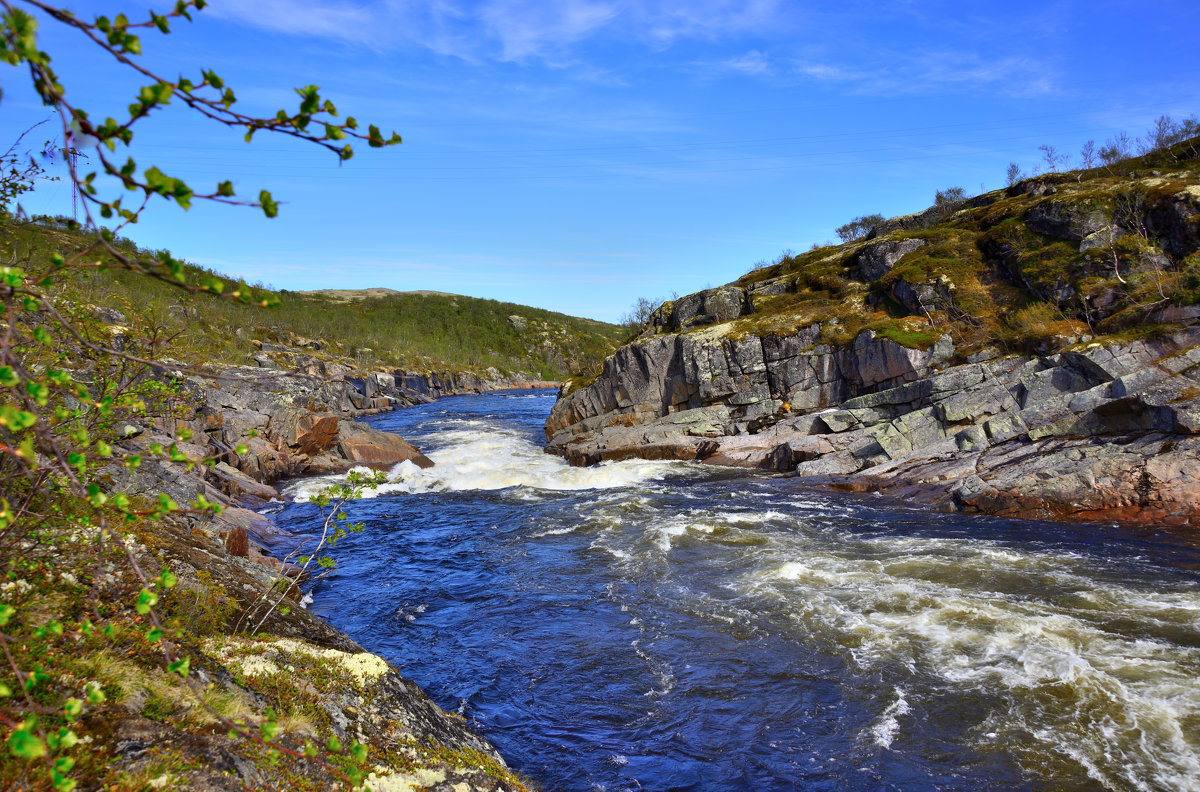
[359, 444]
[239, 485]
[380, 384]
[877, 259]
[1074, 221]
[306, 432]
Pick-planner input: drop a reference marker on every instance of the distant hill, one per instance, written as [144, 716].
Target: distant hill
[374, 328]
[362, 294]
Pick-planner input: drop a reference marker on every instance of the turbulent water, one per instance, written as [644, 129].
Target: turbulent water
[669, 626]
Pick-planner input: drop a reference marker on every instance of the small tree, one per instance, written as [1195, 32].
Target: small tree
[1166, 132]
[950, 195]
[639, 314]
[66, 387]
[1013, 174]
[1088, 154]
[1119, 148]
[1052, 158]
[859, 227]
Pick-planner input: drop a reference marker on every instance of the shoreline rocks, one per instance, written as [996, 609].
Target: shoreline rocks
[1100, 431]
[291, 424]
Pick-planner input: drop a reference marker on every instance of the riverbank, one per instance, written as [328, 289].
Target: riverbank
[1100, 431]
[257, 659]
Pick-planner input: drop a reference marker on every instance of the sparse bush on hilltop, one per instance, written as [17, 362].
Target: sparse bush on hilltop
[859, 227]
[950, 195]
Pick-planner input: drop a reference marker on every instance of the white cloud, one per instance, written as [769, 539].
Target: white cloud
[336, 19]
[507, 30]
[532, 28]
[753, 63]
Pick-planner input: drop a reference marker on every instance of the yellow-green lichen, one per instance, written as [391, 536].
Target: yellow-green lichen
[254, 657]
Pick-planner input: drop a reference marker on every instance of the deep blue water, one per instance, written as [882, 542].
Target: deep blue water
[667, 626]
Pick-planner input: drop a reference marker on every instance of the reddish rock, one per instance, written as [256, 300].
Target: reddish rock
[362, 445]
[237, 542]
[308, 433]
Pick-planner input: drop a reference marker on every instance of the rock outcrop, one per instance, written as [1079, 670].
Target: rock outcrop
[738, 386]
[876, 365]
[1099, 430]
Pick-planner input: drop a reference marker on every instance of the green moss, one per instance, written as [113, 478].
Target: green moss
[906, 334]
[202, 604]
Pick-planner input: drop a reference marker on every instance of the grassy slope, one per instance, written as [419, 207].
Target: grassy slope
[1042, 290]
[422, 331]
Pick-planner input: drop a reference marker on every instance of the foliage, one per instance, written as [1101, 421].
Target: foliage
[638, 317]
[950, 195]
[68, 385]
[335, 526]
[859, 227]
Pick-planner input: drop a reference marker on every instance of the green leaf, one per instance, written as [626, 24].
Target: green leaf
[145, 601]
[167, 579]
[154, 635]
[63, 738]
[72, 708]
[24, 744]
[334, 744]
[8, 377]
[94, 693]
[37, 391]
[225, 189]
[182, 667]
[6, 612]
[269, 207]
[269, 730]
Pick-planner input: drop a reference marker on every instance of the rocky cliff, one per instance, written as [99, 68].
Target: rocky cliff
[1034, 351]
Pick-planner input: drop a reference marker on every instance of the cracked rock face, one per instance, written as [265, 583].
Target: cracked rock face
[1099, 431]
[877, 259]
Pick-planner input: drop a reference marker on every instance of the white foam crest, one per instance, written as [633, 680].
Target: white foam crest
[1121, 706]
[486, 458]
[884, 730]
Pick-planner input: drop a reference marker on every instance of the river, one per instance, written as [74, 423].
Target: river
[671, 626]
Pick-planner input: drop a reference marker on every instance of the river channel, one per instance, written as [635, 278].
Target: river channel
[671, 626]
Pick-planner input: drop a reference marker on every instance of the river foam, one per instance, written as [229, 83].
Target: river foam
[677, 626]
[486, 458]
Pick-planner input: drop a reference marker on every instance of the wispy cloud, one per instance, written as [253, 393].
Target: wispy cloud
[335, 19]
[909, 73]
[506, 30]
[753, 63]
[532, 28]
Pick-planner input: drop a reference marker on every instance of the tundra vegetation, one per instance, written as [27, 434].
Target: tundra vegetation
[115, 671]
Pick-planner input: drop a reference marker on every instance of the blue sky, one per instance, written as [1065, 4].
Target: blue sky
[576, 155]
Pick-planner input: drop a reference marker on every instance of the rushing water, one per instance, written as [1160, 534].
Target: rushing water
[669, 626]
